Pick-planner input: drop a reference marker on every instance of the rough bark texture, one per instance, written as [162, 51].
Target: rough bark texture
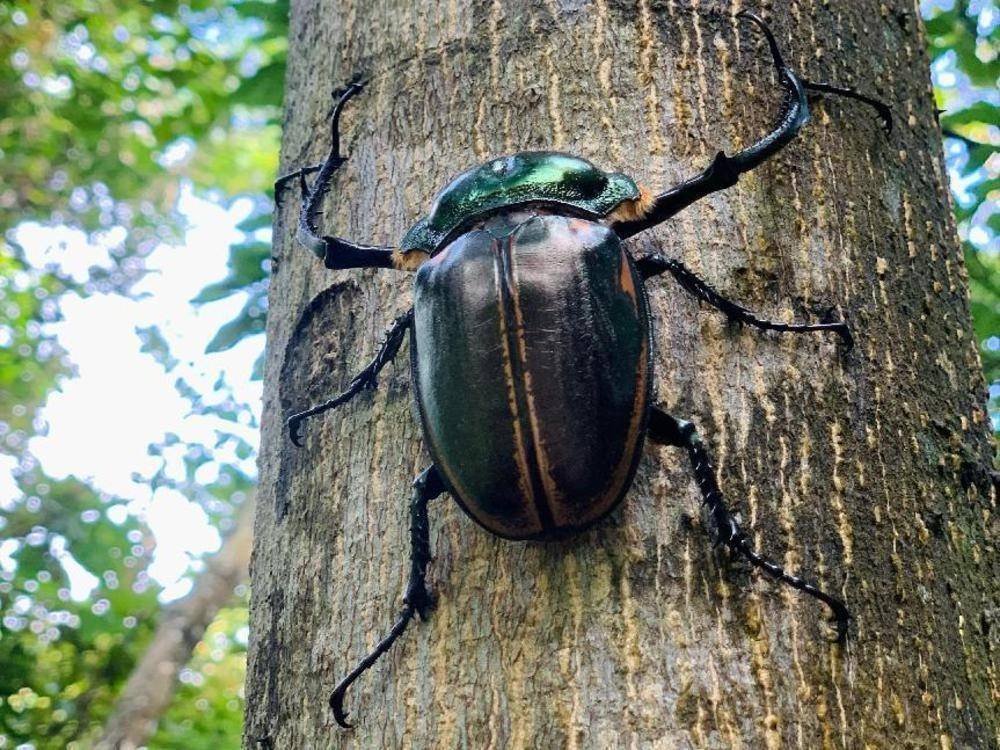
[866, 471]
[151, 686]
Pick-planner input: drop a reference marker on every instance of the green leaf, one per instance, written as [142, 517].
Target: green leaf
[245, 324]
[981, 112]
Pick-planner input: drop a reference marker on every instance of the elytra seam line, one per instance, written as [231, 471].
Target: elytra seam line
[518, 367]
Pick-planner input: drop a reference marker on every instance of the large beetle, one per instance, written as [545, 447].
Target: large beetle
[530, 340]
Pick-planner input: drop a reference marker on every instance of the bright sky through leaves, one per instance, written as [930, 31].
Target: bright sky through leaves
[121, 400]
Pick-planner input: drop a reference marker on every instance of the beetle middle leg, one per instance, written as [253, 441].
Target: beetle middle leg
[880, 107]
[723, 527]
[655, 264]
[367, 378]
[417, 600]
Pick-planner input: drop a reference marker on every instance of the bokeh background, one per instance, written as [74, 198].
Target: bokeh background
[138, 143]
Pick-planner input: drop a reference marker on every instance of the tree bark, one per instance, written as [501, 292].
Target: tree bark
[151, 686]
[867, 471]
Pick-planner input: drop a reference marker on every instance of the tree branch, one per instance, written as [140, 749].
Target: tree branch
[150, 688]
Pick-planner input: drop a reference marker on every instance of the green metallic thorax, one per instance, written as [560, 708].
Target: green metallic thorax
[544, 177]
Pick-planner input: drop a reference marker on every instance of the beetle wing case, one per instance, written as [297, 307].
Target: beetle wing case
[531, 359]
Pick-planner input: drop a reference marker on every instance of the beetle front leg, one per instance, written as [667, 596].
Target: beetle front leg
[655, 264]
[724, 171]
[417, 600]
[336, 253]
[366, 379]
[723, 527]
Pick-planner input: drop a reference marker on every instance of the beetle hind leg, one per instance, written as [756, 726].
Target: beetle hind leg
[723, 527]
[366, 379]
[417, 600]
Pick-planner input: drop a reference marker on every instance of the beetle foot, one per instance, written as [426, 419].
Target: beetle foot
[723, 529]
[298, 174]
[839, 621]
[836, 631]
[337, 696]
[356, 86]
[294, 425]
[337, 706]
[844, 331]
[886, 114]
[420, 599]
[882, 109]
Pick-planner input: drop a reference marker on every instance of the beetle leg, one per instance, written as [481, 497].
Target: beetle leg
[367, 378]
[666, 430]
[725, 170]
[281, 182]
[654, 264]
[417, 601]
[335, 252]
[880, 107]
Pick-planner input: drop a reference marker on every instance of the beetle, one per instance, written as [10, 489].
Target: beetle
[530, 340]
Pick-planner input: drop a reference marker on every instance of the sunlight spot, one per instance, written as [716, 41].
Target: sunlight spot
[81, 581]
[183, 531]
[8, 548]
[9, 491]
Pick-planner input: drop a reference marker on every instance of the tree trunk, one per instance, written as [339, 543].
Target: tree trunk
[867, 471]
[151, 686]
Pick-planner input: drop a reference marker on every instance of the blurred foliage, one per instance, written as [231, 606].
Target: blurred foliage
[30, 362]
[62, 654]
[249, 262]
[106, 111]
[207, 713]
[100, 99]
[66, 653]
[964, 41]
